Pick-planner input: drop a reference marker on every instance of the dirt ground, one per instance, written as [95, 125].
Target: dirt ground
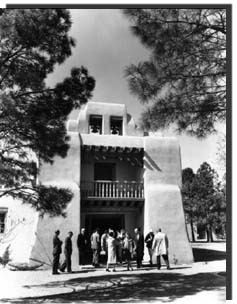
[205, 281]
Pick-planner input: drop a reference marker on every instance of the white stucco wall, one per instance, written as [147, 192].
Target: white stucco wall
[106, 110]
[112, 140]
[162, 161]
[21, 224]
[163, 202]
[65, 172]
[64, 168]
[46, 227]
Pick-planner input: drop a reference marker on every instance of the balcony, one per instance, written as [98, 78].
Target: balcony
[129, 190]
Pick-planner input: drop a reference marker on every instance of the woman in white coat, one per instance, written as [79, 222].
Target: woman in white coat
[111, 245]
[160, 246]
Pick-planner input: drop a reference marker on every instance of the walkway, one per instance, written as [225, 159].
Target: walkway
[204, 281]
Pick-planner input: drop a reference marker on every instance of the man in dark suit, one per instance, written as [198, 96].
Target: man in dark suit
[139, 241]
[83, 247]
[67, 252]
[57, 249]
[149, 241]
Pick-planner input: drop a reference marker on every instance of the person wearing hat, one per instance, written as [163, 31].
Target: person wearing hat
[67, 252]
[57, 249]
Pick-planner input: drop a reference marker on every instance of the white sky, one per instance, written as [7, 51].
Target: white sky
[105, 46]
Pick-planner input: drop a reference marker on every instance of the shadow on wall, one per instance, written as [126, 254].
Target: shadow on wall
[207, 255]
[149, 163]
[133, 287]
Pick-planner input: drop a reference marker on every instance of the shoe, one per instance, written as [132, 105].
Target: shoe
[55, 273]
[114, 270]
[107, 270]
[62, 270]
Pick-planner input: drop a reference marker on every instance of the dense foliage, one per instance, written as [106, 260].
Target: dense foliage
[204, 200]
[183, 83]
[33, 115]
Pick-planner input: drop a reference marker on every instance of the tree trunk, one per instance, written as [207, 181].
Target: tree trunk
[192, 230]
[209, 233]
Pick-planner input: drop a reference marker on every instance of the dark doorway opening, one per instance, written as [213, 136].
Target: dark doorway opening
[104, 171]
[104, 221]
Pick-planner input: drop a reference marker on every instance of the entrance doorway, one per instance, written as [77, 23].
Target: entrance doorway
[104, 171]
[104, 221]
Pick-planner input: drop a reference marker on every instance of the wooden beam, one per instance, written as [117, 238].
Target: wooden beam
[137, 150]
[105, 148]
[128, 150]
[88, 147]
[112, 149]
[120, 149]
[138, 162]
[96, 148]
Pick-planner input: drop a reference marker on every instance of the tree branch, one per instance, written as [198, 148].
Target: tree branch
[213, 27]
[12, 190]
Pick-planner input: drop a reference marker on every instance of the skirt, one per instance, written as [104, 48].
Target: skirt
[112, 256]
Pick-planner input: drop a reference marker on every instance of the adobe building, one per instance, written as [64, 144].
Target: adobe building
[120, 179]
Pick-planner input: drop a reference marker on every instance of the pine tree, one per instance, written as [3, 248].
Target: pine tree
[33, 115]
[183, 83]
[204, 200]
[189, 198]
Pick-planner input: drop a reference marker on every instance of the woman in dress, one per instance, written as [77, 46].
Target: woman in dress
[111, 245]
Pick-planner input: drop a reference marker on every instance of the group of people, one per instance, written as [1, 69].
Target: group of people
[112, 247]
[115, 247]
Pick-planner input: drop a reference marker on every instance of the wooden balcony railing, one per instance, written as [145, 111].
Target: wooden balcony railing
[112, 189]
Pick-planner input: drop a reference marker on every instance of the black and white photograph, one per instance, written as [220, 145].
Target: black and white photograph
[115, 170]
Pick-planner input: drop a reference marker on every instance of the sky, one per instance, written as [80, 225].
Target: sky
[105, 46]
